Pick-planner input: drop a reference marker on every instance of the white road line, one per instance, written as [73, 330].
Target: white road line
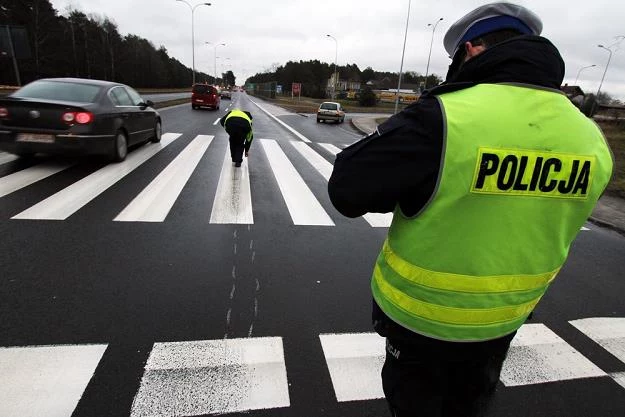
[28, 176]
[325, 169]
[45, 380]
[584, 228]
[5, 158]
[66, 202]
[156, 200]
[213, 377]
[302, 204]
[289, 128]
[330, 148]
[354, 362]
[216, 121]
[608, 332]
[233, 199]
[619, 378]
[538, 355]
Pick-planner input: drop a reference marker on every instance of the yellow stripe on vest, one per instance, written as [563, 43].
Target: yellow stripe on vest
[465, 283]
[523, 172]
[451, 315]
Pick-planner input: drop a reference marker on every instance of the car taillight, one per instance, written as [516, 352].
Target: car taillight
[4, 112]
[81, 117]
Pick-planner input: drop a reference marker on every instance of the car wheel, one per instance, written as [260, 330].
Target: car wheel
[120, 147]
[193, 107]
[158, 131]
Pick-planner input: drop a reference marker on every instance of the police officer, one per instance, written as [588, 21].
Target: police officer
[238, 124]
[490, 177]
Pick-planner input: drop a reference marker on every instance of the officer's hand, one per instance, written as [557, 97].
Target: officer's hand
[246, 153]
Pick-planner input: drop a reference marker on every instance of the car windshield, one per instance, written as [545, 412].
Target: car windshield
[56, 90]
[329, 106]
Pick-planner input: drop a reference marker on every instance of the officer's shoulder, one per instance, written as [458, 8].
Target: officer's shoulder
[422, 112]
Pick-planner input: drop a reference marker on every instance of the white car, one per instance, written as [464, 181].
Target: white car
[330, 110]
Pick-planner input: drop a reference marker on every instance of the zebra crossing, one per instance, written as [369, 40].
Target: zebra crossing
[240, 375]
[232, 204]
[233, 201]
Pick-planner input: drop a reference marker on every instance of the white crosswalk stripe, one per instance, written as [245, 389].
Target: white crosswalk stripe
[28, 176]
[538, 355]
[155, 201]
[45, 380]
[213, 377]
[233, 199]
[609, 333]
[71, 199]
[304, 208]
[325, 169]
[5, 158]
[232, 203]
[354, 362]
[330, 148]
[239, 375]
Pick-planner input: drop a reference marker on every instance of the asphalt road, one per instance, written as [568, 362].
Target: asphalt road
[251, 303]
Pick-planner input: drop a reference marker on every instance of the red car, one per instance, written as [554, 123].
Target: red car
[204, 95]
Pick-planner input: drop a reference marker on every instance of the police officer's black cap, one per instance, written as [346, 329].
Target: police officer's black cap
[490, 18]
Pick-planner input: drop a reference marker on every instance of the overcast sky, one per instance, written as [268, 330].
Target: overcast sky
[258, 34]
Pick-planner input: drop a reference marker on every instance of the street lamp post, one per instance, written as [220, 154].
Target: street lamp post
[604, 71]
[580, 71]
[193, 30]
[215, 61]
[336, 54]
[427, 69]
[401, 66]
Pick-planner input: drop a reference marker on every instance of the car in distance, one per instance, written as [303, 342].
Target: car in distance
[76, 116]
[204, 95]
[330, 110]
[225, 93]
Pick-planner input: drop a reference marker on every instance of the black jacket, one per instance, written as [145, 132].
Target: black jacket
[399, 163]
[238, 127]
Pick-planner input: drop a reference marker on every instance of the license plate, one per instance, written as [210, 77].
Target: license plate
[35, 137]
[199, 101]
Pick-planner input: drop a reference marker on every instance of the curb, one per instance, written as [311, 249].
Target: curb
[358, 128]
[607, 225]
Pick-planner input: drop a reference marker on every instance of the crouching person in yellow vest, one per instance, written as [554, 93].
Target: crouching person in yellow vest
[490, 177]
[238, 124]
